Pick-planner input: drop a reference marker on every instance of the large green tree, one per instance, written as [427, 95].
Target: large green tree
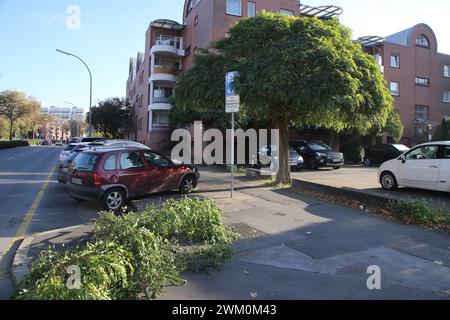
[110, 116]
[13, 107]
[294, 72]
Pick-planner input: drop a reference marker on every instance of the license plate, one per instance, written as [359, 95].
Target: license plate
[77, 181]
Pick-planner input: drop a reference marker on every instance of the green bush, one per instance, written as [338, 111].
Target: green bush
[13, 144]
[135, 255]
[421, 211]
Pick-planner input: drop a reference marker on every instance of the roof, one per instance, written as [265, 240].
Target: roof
[322, 12]
[445, 143]
[167, 24]
[402, 37]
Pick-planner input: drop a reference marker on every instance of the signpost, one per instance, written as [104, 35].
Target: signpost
[232, 102]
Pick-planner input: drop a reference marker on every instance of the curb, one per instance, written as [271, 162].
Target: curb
[368, 199]
[20, 264]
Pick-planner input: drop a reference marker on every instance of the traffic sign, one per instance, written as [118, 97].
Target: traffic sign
[232, 100]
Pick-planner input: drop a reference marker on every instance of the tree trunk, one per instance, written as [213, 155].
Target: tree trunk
[10, 129]
[284, 171]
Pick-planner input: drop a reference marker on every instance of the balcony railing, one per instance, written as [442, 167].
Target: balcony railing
[161, 99]
[166, 69]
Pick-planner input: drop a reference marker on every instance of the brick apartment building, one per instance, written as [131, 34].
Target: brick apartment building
[170, 48]
[418, 77]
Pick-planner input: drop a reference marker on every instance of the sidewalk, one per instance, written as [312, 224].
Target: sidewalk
[301, 248]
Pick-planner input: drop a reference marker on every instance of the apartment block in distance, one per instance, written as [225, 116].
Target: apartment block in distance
[418, 77]
[170, 48]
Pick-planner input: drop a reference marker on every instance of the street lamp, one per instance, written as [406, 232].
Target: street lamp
[90, 94]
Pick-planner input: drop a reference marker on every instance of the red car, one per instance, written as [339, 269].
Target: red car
[112, 176]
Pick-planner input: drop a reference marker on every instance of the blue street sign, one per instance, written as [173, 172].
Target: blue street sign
[230, 83]
[232, 98]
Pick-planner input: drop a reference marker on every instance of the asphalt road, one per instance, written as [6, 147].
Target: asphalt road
[32, 201]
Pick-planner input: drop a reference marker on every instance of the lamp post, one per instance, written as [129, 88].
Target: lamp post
[90, 92]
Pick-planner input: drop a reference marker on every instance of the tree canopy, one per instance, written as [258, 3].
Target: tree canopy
[294, 71]
[110, 116]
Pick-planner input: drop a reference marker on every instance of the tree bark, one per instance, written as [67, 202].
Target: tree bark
[10, 129]
[284, 171]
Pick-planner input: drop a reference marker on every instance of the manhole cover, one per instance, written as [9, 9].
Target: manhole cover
[247, 232]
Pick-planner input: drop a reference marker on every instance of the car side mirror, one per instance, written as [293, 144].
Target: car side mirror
[403, 159]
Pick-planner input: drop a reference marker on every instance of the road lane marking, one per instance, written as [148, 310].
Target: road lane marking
[21, 232]
[26, 222]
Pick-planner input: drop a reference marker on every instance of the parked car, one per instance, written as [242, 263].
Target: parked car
[426, 166]
[295, 160]
[69, 148]
[317, 154]
[112, 176]
[379, 153]
[86, 139]
[59, 143]
[63, 166]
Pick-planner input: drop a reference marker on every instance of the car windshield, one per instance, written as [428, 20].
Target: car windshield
[85, 162]
[400, 147]
[318, 146]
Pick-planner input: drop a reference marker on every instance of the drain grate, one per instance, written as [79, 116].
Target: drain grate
[247, 232]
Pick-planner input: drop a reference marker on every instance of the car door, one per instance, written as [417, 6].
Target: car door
[162, 173]
[420, 167]
[444, 174]
[133, 173]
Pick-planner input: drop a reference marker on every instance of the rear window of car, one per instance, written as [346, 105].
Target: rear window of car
[85, 162]
[70, 147]
[318, 146]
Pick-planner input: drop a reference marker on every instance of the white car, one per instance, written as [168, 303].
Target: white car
[426, 166]
[68, 149]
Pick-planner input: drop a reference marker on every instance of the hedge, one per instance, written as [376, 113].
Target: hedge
[13, 144]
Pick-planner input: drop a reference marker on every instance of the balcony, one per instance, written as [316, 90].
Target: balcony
[165, 73]
[169, 46]
[160, 103]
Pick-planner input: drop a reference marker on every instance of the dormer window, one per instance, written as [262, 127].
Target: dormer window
[422, 41]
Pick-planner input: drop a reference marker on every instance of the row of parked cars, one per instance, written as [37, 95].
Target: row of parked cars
[115, 171]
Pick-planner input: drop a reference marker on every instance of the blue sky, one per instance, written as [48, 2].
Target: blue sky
[112, 31]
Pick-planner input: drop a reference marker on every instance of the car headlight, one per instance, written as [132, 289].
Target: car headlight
[321, 155]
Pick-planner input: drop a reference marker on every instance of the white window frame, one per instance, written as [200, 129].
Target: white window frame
[446, 97]
[233, 13]
[393, 65]
[253, 11]
[418, 81]
[447, 71]
[394, 93]
[286, 12]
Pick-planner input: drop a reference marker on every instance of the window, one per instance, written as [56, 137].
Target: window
[251, 9]
[447, 152]
[422, 41]
[111, 163]
[190, 6]
[422, 113]
[395, 61]
[234, 7]
[394, 86]
[447, 71]
[447, 96]
[188, 51]
[423, 153]
[156, 160]
[131, 160]
[196, 21]
[286, 12]
[160, 119]
[85, 162]
[422, 81]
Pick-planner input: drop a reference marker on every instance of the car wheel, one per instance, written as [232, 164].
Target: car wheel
[113, 200]
[388, 182]
[187, 184]
[367, 162]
